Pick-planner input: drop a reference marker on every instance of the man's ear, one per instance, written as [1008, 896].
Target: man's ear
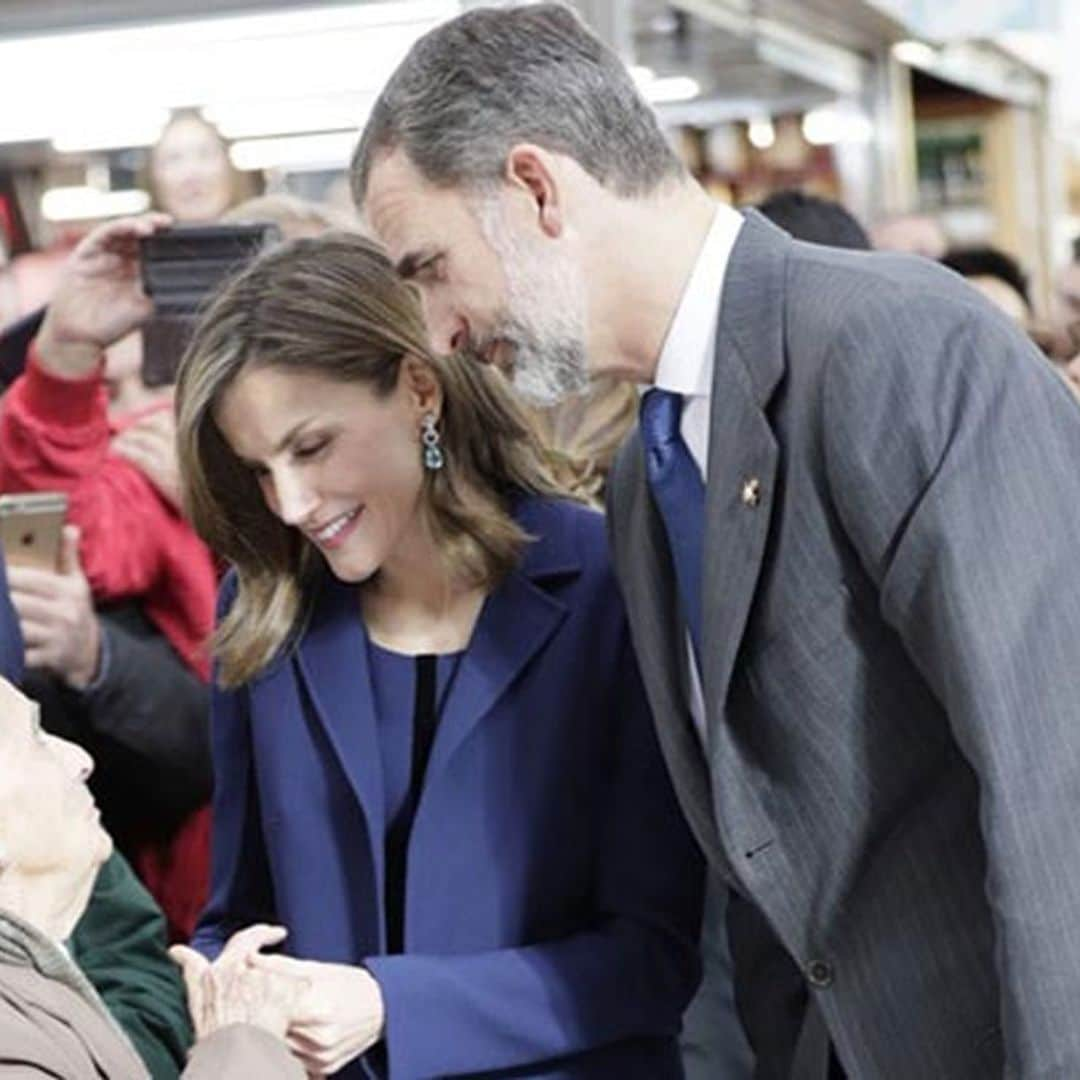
[534, 171]
[421, 386]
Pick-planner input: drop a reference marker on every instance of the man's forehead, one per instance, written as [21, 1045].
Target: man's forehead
[401, 205]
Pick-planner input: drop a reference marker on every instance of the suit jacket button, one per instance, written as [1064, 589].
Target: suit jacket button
[751, 492]
[820, 974]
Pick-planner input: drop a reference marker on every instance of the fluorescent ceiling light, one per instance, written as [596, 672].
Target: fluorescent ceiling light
[299, 152]
[89, 204]
[250, 119]
[132, 128]
[834, 124]
[333, 51]
[914, 53]
[761, 133]
[674, 88]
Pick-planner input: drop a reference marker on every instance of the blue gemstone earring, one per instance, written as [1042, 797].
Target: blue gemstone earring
[434, 459]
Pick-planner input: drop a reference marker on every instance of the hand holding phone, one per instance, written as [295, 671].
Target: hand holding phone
[98, 298]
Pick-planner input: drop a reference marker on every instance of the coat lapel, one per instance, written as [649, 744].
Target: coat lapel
[333, 660]
[516, 622]
[742, 450]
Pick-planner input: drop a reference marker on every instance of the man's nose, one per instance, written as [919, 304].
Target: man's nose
[447, 332]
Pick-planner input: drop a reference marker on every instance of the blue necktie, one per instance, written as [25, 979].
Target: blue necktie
[680, 495]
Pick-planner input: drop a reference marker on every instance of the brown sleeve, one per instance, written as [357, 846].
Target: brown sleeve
[242, 1050]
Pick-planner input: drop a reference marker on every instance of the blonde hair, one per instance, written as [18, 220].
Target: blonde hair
[584, 433]
[333, 306]
[295, 217]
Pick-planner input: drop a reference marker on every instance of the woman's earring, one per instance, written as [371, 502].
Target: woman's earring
[434, 459]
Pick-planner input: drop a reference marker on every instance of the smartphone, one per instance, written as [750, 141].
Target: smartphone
[30, 528]
[182, 268]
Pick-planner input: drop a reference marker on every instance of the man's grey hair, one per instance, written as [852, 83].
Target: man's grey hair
[474, 87]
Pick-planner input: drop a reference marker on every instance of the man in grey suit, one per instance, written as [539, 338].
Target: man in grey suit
[847, 535]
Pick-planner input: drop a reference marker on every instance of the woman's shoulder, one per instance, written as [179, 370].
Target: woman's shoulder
[564, 532]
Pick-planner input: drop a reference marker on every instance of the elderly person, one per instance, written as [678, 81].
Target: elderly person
[52, 1022]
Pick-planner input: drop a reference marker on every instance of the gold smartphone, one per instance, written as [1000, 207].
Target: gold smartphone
[30, 528]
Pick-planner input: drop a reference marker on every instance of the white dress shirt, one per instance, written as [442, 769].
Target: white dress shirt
[687, 359]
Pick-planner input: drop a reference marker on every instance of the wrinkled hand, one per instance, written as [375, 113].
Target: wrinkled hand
[339, 1016]
[230, 991]
[150, 445]
[98, 298]
[60, 630]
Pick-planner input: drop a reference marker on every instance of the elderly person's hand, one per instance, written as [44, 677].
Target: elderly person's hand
[98, 298]
[60, 630]
[338, 1018]
[150, 445]
[230, 991]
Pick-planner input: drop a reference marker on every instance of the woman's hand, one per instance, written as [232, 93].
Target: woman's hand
[230, 991]
[98, 298]
[336, 1019]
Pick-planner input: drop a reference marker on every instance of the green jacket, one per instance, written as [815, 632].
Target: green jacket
[119, 944]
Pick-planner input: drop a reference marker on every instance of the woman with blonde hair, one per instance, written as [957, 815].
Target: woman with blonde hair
[435, 766]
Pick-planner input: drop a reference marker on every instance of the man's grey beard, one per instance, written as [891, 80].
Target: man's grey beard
[544, 317]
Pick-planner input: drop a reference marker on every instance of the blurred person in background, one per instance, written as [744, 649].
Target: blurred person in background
[911, 234]
[997, 275]
[191, 176]
[815, 220]
[136, 550]
[434, 762]
[119, 941]
[53, 1021]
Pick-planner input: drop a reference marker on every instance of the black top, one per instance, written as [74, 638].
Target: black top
[405, 743]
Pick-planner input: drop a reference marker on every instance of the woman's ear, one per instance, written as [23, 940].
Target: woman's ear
[422, 386]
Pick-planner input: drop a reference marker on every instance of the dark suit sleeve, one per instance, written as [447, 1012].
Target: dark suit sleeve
[154, 711]
[119, 945]
[240, 888]
[953, 455]
[631, 975]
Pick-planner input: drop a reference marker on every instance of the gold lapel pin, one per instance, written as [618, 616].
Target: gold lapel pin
[751, 492]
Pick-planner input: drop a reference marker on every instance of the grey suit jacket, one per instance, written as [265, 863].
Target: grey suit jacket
[891, 655]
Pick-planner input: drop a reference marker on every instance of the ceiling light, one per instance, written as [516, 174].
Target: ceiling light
[90, 204]
[298, 152]
[130, 129]
[334, 51]
[761, 133]
[283, 116]
[914, 53]
[673, 88]
[833, 124]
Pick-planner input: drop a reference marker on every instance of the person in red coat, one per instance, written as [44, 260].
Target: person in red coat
[56, 434]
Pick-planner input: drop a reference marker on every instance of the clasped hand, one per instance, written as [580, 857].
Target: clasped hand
[334, 1012]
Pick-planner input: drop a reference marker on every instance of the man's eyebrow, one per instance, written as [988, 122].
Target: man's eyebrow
[408, 265]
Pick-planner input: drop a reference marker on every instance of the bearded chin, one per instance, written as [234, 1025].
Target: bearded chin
[547, 375]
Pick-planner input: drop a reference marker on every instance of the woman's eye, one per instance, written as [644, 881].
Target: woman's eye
[310, 450]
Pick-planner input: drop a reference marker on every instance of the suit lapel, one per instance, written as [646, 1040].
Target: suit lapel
[333, 660]
[743, 453]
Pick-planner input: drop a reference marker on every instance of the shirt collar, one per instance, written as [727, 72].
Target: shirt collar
[689, 350]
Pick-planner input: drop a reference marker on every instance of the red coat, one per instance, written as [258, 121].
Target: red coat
[55, 436]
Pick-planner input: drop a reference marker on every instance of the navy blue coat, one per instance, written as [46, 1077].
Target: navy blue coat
[554, 891]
